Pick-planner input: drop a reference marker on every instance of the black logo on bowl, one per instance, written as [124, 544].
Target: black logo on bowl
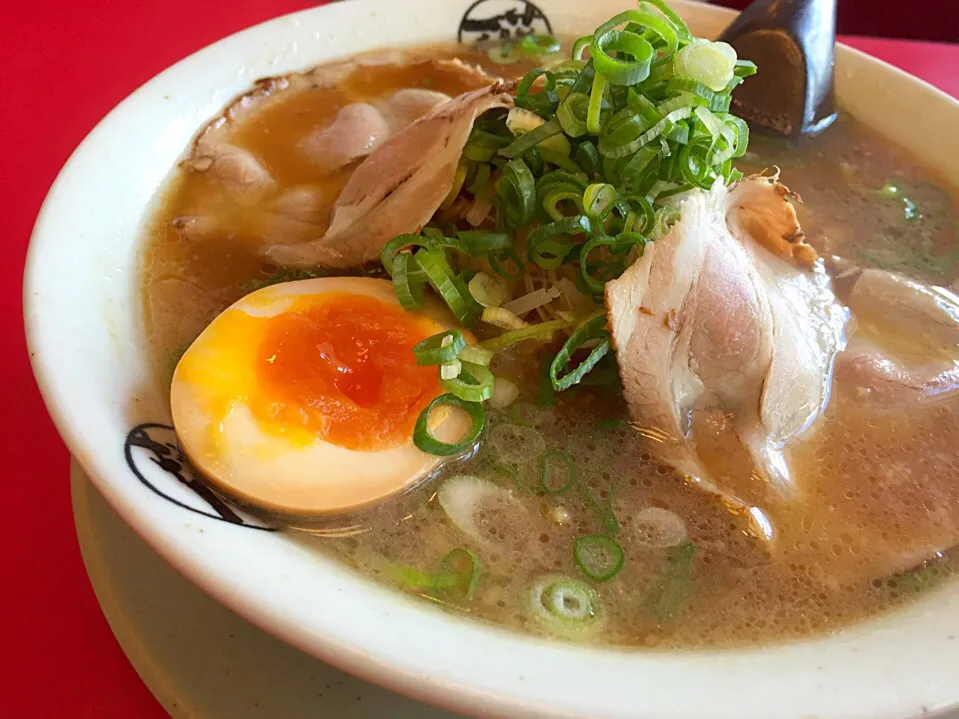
[154, 446]
[495, 20]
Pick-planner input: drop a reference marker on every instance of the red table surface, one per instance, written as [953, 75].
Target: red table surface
[64, 64]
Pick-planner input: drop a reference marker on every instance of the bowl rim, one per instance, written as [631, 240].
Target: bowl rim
[442, 677]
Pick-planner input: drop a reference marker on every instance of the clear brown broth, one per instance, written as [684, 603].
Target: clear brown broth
[875, 482]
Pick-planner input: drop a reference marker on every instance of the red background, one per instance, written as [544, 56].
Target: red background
[63, 65]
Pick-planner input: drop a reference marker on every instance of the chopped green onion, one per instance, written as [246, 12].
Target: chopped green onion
[539, 136]
[486, 290]
[557, 474]
[476, 355]
[711, 63]
[474, 383]
[598, 557]
[593, 115]
[597, 198]
[517, 188]
[548, 245]
[450, 370]
[591, 330]
[478, 242]
[400, 242]
[682, 30]
[604, 514]
[615, 68]
[434, 264]
[563, 602]
[424, 439]
[465, 566]
[407, 285]
[623, 242]
[440, 348]
[559, 160]
[541, 331]
[587, 157]
[457, 578]
[504, 319]
[572, 113]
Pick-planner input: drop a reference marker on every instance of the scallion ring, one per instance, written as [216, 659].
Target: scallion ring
[558, 371]
[407, 284]
[572, 113]
[439, 348]
[517, 188]
[473, 384]
[597, 199]
[465, 566]
[433, 262]
[424, 439]
[598, 557]
[398, 243]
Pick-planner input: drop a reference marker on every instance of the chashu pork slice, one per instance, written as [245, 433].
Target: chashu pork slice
[398, 187]
[729, 312]
[904, 351]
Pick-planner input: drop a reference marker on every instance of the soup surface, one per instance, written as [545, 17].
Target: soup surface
[880, 485]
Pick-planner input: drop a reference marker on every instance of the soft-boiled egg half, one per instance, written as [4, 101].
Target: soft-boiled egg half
[301, 398]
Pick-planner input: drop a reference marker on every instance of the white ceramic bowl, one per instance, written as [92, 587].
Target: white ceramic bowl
[83, 312]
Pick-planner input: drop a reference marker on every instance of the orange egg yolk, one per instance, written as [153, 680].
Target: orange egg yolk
[343, 369]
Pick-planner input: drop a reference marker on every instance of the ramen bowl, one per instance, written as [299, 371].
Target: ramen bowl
[83, 310]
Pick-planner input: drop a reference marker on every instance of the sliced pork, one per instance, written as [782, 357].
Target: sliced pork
[728, 312]
[905, 349]
[398, 187]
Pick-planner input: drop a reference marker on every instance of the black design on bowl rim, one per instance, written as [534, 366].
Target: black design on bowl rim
[522, 18]
[168, 456]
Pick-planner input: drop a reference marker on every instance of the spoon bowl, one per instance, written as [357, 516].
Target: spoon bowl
[793, 41]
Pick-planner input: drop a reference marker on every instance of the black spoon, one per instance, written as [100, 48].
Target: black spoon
[792, 42]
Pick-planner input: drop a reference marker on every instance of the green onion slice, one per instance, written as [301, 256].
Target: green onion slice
[563, 601]
[557, 473]
[400, 242]
[465, 567]
[609, 47]
[473, 384]
[424, 439]
[562, 377]
[407, 284]
[476, 355]
[517, 188]
[440, 348]
[433, 262]
[531, 139]
[477, 242]
[539, 331]
[597, 199]
[572, 113]
[594, 116]
[598, 557]
[549, 245]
